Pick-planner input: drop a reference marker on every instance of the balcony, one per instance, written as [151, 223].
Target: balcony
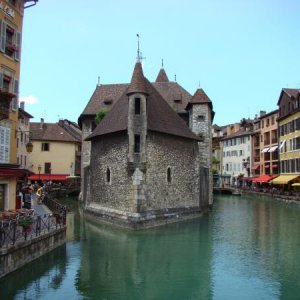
[5, 99]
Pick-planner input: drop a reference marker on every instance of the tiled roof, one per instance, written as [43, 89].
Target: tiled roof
[137, 84]
[160, 116]
[104, 96]
[162, 76]
[292, 92]
[24, 113]
[176, 96]
[199, 98]
[51, 132]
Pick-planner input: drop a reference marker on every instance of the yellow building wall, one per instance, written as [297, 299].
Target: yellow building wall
[61, 156]
[13, 15]
[295, 153]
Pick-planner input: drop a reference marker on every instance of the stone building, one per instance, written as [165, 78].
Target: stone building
[142, 165]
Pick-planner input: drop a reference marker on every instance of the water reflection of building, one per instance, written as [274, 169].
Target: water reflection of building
[169, 262]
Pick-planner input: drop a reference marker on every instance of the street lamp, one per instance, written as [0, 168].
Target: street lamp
[29, 145]
[39, 169]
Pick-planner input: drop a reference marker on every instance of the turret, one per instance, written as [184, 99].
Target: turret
[137, 115]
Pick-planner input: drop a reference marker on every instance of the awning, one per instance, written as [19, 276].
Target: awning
[7, 172]
[282, 144]
[255, 167]
[46, 177]
[265, 150]
[272, 149]
[284, 179]
[263, 178]
[274, 166]
[267, 166]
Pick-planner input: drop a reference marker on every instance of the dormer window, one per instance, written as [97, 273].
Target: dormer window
[108, 101]
[177, 98]
[137, 106]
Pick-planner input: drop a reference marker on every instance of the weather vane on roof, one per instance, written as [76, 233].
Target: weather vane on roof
[139, 57]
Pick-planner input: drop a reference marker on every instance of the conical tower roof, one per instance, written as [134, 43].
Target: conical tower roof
[162, 76]
[138, 81]
[200, 98]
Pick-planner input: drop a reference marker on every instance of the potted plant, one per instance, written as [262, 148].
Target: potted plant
[26, 224]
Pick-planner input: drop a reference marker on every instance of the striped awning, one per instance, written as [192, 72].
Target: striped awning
[284, 179]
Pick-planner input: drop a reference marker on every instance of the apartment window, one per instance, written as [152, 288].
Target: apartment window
[273, 120]
[4, 144]
[10, 40]
[137, 143]
[45, 147]
[47, 168]
[137, 106]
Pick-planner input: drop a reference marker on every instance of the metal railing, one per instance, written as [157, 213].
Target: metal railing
[29, 226]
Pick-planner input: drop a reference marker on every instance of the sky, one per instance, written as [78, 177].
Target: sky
[240, 52]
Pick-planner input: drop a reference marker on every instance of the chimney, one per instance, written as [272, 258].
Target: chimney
[22, 105]
[262, 113]
[42, 123]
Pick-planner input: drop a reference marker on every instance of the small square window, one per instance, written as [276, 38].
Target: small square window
[201, 118]
[45, 147]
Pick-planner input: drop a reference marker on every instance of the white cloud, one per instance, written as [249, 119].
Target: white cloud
[29, 99]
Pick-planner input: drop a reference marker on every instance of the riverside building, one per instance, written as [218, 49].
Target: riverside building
[148, 162]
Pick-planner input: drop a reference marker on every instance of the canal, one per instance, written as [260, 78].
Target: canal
[245, 248]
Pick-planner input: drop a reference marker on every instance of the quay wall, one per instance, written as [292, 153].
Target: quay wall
[18, 255]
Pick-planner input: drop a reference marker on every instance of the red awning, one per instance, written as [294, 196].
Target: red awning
[255, 167]
[247, 178]
[275, 166]
[263, 178]
[47, 177]
[7, 172]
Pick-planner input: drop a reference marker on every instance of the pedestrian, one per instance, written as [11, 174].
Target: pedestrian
[28, 197]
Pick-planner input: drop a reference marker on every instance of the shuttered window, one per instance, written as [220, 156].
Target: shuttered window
[4, 144]
[10, 40]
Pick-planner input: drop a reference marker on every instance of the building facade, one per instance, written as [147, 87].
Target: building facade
[236, 153]
[56, 150]
[142, 165]
[289, 134]
[11, 20]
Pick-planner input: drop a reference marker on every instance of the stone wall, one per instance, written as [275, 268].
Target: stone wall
[24, 252]
[178, 154]
[110, 152]
[200, 124]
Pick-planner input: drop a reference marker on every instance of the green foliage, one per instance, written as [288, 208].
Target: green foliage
[215, 161]
[100, 115]
[25, 222]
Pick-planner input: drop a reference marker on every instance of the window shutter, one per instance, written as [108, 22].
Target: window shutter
[4, 144]
[14, 102]
[18, 45]
[2, 36]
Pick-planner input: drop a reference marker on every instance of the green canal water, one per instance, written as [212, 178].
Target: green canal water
[245, 248]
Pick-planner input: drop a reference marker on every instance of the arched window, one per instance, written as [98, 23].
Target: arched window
[107, 175]
[169, 179]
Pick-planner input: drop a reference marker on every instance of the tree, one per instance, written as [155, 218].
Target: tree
[100, 115]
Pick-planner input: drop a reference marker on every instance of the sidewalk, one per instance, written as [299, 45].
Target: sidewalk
[40, 209]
